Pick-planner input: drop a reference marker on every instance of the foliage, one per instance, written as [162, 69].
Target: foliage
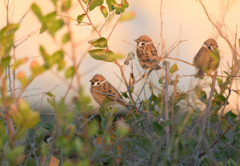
[168, 128]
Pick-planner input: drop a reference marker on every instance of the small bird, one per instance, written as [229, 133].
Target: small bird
[207, 59]
[147, 53]
[101, 89]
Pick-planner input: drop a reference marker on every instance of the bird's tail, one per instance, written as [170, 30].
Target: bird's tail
[200, 74]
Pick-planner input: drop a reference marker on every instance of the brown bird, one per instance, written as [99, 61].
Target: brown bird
[101, 90]
[207, 59]
[147, 53]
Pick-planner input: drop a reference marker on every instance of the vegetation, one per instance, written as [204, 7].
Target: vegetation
[171, 127]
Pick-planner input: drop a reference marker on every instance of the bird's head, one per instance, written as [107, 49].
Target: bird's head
[211, 44]
[142, 40]
[97, 80]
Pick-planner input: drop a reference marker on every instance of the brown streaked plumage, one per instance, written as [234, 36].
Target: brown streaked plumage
[101, 89]
[207, 59]
[147, 53]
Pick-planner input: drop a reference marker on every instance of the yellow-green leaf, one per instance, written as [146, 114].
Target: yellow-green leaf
[104, 11]
[70, 72]
[100, 42]
[100, 54]
[80, 18]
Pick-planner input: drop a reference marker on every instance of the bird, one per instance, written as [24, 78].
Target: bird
[101, 90]
[207, 59]
[147, 53]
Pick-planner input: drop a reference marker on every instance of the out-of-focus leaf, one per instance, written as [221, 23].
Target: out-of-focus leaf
[5, 62]
[43, 28]
[158, 129]
[85, 1]
[237, 91]
[127, 16]
[93, 128]
[118, 8]
[80, 18]
[132, 118]
[220, 99]
[129, 57]
[100, 42]
[54, 2]
[65, 38]
[46, 125]
[124, 94]
[231, 115]
[174, 68]
[22, 78]
[70, 72]
[37, 11]
[122, 129]
[104, 11]
[110, 4]
[18, 63]
[224, 124]
[202, 96]
[100, 54]
[125, 3]
[66, 5]
[95, 3]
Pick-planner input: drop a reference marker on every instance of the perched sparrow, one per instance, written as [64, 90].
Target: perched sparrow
[207, 59]
[101, 89]
[147, 53]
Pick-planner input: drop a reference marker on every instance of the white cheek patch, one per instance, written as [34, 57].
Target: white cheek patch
[98, 83]
[207, 46]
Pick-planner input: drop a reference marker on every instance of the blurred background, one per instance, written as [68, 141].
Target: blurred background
[182, 20]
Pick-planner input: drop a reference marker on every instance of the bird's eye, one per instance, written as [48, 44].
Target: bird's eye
[98, 83]
[209, 47]
[92, 83]
[143, 43]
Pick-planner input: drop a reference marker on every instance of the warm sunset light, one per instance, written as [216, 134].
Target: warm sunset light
[119, 82]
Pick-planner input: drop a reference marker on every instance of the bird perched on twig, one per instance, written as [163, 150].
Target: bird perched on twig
[207, 59]
[147, 53]
[101, 90]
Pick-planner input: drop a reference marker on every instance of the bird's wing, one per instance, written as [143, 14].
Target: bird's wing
[111, 92]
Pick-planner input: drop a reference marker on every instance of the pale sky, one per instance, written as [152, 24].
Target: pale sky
[182, 20]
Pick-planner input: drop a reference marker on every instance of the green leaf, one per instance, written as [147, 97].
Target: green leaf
[127, 16]
[100, 42]
[18, 63]
[80, 18]
[202, 96]
[231, 115]
[224, 139]
[174, 68]
[122, 129]
[5, 62]
[49, 94]
[224, 124]
[46, 125]
[94, 4]
[37, 11]
[70, 72]
[133, 117]
[54, 2]
[100, 54]
[220, 99]
[43, 28]
[125, 3]
[104, 11]
[110, 4]
[65, 38]
[85, 1]
[161, 80]
[158, 129]
[92, 128]
[124, 94]
[118, 8]
[22, 78]
[66, 5]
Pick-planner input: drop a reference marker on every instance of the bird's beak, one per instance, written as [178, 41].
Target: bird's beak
[136, 40]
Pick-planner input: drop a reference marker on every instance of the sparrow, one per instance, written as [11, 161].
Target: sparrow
[207, 59]
[101, 89]
[147, 53]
